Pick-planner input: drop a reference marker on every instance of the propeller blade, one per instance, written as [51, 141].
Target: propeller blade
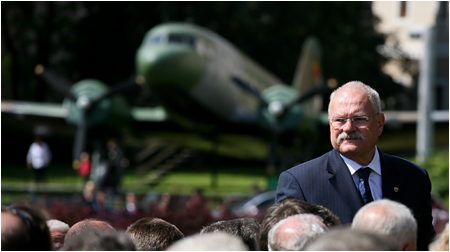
[80, 139]
[120, 87]
[331, 84]
[249, 89]
[54, 81]
[271, 162]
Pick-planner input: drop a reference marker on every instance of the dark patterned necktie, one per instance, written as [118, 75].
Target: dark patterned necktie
[364, 187]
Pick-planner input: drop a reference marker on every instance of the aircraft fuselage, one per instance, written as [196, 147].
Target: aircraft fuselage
[190, 70]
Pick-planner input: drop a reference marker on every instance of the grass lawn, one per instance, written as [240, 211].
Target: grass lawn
[232, 179]
[229, 180]
[237, 181]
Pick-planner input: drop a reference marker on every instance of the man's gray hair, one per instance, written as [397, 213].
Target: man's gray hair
[306, 227]
[219, 241]
[57, 225]
[346, 239]
[389, 218]
[374, 97]
[100, 240]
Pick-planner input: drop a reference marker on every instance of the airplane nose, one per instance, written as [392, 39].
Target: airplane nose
[170, 65]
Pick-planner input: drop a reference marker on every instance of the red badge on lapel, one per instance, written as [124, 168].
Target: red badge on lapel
[395, 189]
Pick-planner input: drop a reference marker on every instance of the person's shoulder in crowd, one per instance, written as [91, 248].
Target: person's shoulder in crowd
[313, 163]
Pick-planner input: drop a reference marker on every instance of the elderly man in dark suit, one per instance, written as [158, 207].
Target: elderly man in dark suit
[356, 172]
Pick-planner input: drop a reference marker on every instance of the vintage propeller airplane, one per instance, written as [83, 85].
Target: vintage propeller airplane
[201, 81]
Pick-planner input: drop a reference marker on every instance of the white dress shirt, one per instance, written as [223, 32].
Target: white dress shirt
[39, 155]
[375, 175]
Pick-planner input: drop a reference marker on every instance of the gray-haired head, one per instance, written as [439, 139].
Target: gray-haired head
[373, 95]
[58, 231]
[100, 240]
[346, 239]
[220, 241]
[295, 232]
[57, 225]
[390, 219]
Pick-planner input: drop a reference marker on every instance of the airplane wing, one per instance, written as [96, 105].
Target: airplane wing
[34, 108]
[157, 114]
[54, 110]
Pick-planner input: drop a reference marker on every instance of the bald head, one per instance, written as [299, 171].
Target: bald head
[85, 225]
[14, 232]
[294, 232]
[24, 228]
[373, 214]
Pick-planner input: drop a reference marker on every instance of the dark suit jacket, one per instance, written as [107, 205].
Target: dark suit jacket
[326, 181]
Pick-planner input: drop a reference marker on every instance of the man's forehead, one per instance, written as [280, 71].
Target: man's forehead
[352, 91]
[346, 100]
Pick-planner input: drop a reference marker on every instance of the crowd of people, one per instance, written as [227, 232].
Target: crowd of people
[292, 225]
[354, 197]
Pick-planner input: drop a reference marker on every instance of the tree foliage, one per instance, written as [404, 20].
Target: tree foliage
[437, 166]
[99, 39]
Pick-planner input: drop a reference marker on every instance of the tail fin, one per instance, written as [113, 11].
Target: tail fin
[309, 69]
[308, 73]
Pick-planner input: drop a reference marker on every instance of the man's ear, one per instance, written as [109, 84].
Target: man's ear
[408, 247]
[380, 121]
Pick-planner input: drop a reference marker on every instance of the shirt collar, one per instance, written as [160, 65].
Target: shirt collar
[374, 164]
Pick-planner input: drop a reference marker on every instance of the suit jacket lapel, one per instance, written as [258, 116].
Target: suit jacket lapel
[391, 179]
[342, 181]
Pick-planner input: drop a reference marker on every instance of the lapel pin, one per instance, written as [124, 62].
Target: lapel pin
[395, 189]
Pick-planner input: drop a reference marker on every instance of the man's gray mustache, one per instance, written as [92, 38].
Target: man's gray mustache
[344, 136]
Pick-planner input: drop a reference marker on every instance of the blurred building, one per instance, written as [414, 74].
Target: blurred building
[407, 25]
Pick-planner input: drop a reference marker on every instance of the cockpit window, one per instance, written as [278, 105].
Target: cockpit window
[181, 39]
[154, 40]
[171, 38]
